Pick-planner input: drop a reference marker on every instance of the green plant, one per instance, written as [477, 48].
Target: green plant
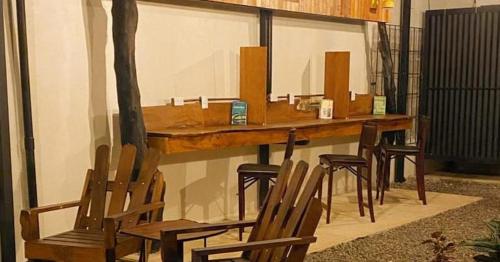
[490, 245]
[441, 247]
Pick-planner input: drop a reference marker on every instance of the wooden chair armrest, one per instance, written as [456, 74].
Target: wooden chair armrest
[209, 227]
[30, 229]
[135, 212]
[54, 207]
[201, 254]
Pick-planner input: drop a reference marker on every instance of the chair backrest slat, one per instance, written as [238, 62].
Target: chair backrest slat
[84, 202]
[143, 183]
[274, 198]
[98, 188]
[297, 215]
[158, 194]
[307, 228]
[292, 191]
[424, 123]
[122, 180]
[367, 140]
[290, 144]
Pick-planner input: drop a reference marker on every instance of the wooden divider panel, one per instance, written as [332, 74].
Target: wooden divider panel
[168, 116]
[217, 114]
[283, 112]
[337, 65]
[253, 82]
[363, 105]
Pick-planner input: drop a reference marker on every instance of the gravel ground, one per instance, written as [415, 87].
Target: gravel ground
[404, 243]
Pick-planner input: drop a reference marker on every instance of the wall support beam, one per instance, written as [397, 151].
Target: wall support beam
[7, 234]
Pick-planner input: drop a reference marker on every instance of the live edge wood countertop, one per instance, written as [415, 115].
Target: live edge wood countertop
[185, 139]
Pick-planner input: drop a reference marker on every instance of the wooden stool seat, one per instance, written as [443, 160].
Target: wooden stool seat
[403, 150]
[248, 169]
[350, 160]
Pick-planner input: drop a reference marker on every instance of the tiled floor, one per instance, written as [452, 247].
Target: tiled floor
[401, 207]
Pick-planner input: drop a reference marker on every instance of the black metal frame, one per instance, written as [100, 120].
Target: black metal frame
[29, 141]
[7, 230]
[266, 40]
[403, 77]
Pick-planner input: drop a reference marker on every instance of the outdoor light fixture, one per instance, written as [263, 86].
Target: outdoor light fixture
[385, 3]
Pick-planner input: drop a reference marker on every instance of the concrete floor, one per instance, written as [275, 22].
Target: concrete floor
[401, 207]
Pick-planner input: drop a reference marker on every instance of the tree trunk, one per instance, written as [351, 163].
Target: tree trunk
[387, 71]
[125, 18]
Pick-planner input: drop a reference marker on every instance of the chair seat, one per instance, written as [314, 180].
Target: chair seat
[259, 168]
[331, 159]
[400, 149]
[77, 244]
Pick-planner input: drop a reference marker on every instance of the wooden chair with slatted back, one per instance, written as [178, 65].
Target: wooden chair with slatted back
[95, 236]
[284, 227]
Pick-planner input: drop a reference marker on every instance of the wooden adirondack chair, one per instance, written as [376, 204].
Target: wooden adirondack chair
[94, 236]
[283, 230]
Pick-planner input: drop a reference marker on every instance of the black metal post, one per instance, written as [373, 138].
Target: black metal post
[403, 80]
[7, 234]
[266, 39]
[29, 141]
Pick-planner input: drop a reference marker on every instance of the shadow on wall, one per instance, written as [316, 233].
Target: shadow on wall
[96, 22]
[206, 188]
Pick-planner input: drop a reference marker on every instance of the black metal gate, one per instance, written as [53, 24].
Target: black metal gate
[461, 83]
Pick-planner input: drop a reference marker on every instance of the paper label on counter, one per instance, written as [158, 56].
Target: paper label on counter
[273, 97]
[291, 99]
[204, 102]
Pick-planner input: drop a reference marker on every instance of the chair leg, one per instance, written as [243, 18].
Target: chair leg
[421, 179]
[360, 195]
[385, 176]
[320, 190]
[330, 195]
[241, 202]
[369, 191]
[380, 166]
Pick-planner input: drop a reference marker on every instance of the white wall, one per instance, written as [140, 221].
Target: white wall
[181, 51]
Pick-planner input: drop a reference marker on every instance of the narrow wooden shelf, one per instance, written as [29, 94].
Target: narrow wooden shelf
[177, 140]
[338, 10]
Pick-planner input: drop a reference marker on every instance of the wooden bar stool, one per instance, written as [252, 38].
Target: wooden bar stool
[250, 173]
[354, 164]
[389, 152]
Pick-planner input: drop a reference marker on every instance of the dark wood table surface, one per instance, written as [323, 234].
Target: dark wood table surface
[152, 231]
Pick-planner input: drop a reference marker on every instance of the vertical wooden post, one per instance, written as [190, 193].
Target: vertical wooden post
[125, 19]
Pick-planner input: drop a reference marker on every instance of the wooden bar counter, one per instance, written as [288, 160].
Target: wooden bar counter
[186, 139]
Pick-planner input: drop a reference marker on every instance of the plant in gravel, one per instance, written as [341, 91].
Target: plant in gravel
[490, 245]
[442, 248]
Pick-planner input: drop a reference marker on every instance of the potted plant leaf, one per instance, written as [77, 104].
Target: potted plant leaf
[490, 246]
